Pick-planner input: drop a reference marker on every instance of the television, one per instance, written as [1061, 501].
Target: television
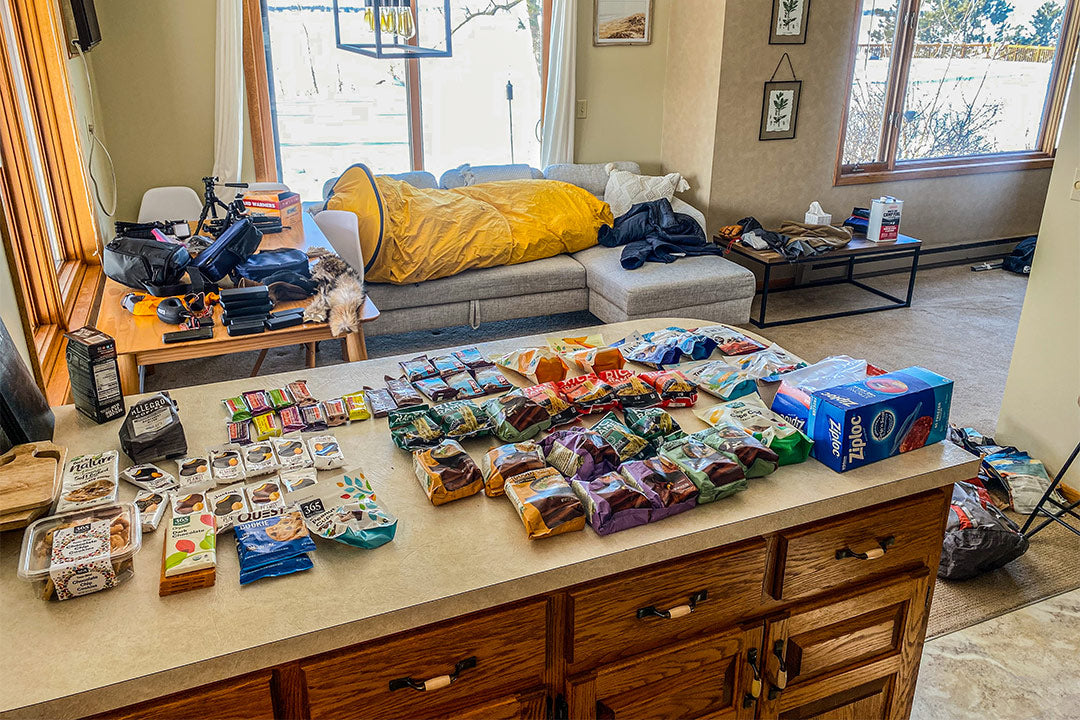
[86, 34]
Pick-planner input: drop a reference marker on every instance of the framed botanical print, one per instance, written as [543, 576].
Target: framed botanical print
[780, 109]
[622, 22]
[789, 22]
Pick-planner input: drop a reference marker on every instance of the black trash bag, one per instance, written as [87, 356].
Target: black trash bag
[1019, 260]
[978, 537]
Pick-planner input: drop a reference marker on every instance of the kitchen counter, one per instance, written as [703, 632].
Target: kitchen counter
[121, 646]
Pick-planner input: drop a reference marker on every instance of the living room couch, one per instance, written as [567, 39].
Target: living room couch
[708, 287]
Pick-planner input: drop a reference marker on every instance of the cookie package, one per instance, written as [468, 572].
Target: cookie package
[292, 452]
[272, 542]
[546, 503]
[89, 480]
[260, 459]
[325, 452]
[227, 464]
[227, 504]
[265, 494]
[151, 505]
[193, 471]
[149, 477]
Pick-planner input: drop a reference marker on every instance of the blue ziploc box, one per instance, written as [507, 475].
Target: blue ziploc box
[866, 421]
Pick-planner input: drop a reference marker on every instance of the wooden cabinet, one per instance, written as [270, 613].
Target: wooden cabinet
[239, 699]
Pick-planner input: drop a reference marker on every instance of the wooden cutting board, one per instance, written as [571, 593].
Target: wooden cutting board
[30, 477]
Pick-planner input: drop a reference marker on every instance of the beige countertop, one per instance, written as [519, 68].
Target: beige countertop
[113, 648]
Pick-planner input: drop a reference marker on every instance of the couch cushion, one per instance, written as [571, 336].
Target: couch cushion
[593, 177]
[561, 272]
[467, 174]
[656, 288]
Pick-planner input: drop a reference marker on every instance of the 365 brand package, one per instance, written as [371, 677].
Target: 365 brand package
[876, 418]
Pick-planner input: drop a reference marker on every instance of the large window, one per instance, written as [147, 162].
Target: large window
[332, 108]
[952, 86]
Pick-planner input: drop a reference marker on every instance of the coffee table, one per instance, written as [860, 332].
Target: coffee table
[138, 339]
[859, 251]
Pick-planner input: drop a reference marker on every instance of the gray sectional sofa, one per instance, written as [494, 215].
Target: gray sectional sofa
[709, 287]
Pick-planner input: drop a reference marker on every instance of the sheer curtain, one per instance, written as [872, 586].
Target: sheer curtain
[229, 91]
[557, 145]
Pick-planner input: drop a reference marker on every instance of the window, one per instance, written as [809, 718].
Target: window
[956, 86]
[331, 108]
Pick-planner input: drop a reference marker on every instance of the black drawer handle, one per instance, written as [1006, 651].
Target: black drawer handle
[874, 554]
[435, 683]
[676, 612]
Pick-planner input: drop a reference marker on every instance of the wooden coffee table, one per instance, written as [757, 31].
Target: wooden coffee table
[138, 339]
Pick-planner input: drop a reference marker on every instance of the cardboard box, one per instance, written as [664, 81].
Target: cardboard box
[863, 422]
[94, 376]
[284, 205]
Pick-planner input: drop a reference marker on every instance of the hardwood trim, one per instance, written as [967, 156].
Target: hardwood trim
[416, 110]
[256, 82]
[950, 167]
[288, 691]
[545, 56]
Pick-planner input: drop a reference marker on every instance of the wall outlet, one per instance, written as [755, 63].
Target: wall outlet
[1074, 194]
[582, 109]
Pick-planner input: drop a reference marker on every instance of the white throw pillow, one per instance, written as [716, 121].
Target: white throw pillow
[625, 189]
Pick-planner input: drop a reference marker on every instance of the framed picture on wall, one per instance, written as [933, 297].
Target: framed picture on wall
[789, 22]
[622, 22]
[780, 110]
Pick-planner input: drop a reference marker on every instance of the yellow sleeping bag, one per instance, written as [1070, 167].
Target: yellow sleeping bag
[410, 234]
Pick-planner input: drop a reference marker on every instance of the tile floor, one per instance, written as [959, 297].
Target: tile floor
[1024, 664]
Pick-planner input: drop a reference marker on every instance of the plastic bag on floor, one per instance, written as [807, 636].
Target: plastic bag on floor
[1026, 477]
[978, 537]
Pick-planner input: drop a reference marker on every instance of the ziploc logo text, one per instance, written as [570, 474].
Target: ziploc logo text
[856, 442]
[836, 433]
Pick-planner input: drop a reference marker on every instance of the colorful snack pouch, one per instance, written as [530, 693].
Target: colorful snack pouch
[298, 389]
[547, 396]
[151, 506]
[403, 392]
[292, 452]
[266, 426]
[722, 380]
[750, 414]
[257, 401]
[193, 471]
[589, 394]
[464, 385]
[447, 365]
[755, 458]
[652, 354]
[654, 424]
[415, 428]
[226, 504]
[540, 365]
[491, 380]
[630, 390]
[716, 474]
[280, 398]
[260, 459]
[579, 453]
[418, 368]
[186, 503]
[447, 473]
[546, 503]
[89, 481]
[149, 477]
[472, 357]
[461, 419]
[769, 364]
[589, 354]
[295, 481]
[336, 412]
[674, 387]
[357, 520]
[239, 432]
[504, 462]
[356, 406]
[627, 444]
[292, 420]
[236, 408]
[514, 417]
[730, 341]
[435, 389]
[227, 464]
[265, 494]
[612, 504]
[667, 487]
[314, 417]
[380, 400]
[272, 542]
[190, 543]
[325, 452]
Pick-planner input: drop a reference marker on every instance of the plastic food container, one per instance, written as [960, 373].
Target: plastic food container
[84, 568]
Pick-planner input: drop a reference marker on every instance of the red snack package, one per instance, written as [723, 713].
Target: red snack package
[589, 394]
[675, 389]
[630, 390]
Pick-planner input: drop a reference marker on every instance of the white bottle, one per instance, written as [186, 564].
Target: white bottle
[884, 219]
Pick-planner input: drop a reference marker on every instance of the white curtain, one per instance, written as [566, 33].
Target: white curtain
[229, 91]
[557, 145]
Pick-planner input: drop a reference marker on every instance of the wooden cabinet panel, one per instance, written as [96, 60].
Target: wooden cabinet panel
[530, 706]
[704, 678]
[869, 701]
[604, 620]
[509, 647]
[859, 546]
[240, 699]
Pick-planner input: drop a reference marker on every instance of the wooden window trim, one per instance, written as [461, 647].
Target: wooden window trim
[893, 169]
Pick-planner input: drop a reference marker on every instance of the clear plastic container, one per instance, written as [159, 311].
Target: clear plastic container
[125, 538]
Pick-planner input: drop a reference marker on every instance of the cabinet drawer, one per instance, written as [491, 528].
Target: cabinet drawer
[605, 622]
[860, 545]
[509, 647]
[247, 697]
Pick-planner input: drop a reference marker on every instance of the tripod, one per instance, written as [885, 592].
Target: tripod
[233, 211]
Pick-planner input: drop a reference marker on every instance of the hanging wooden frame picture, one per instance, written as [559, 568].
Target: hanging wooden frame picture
[780, 105]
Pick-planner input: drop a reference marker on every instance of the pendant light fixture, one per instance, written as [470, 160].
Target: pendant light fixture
[389, 29]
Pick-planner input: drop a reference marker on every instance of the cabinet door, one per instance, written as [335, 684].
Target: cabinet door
[529, 706]
[711, 677]
[856, 657]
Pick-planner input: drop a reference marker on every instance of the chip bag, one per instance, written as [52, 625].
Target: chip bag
[673, 386]
[546, 503]
[611, 503]
[730, 341]
[626, 443]
[461, 419]
[415, 428]
[504, 462]
[716, 474]
[579, 453]
[654, 424]
[588, 393]
[768, 365]
[540, 365]
[749, 413]
[630, 389]
[447, 473]
[722, 380]
[756, 459]
[589, 354]
[547, 396]
[353, 518]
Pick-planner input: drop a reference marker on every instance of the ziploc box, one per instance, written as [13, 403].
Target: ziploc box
[866, 421]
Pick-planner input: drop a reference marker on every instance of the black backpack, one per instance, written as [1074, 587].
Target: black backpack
[1019, 260]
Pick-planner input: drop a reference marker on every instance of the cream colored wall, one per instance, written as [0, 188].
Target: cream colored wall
[154, 70]
[1040, 412]
[81, 97]
[624, 86]
[776, 180]
[9, 309]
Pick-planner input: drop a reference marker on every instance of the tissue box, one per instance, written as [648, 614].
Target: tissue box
[822, 218]
[859, 423]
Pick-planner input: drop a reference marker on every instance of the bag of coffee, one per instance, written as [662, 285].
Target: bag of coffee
[152, 430]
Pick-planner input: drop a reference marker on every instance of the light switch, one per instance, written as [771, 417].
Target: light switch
[582, 109]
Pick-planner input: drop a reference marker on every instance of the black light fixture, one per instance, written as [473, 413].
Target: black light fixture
[390, 29]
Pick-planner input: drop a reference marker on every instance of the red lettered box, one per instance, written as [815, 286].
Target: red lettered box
[284, 205]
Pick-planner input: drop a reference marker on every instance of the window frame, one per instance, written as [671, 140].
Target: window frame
[260, 103]
[903, 48]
